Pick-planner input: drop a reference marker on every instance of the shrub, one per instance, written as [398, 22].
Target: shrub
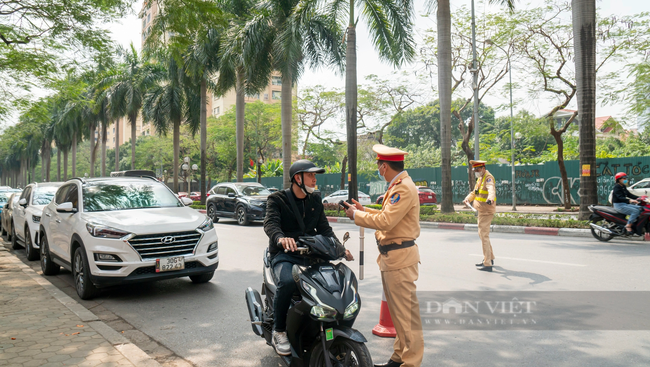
[197, 206]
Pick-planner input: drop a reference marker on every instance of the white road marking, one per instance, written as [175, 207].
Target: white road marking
[533, 261]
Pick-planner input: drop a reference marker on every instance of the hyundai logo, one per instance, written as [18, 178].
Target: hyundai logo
[168, 240]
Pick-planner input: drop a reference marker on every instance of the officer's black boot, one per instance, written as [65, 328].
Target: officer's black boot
[390, 363]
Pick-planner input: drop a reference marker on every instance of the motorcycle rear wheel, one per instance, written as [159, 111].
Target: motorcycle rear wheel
[346, 352]
[601, 236]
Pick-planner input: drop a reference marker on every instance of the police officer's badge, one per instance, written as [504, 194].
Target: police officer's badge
[394, 198]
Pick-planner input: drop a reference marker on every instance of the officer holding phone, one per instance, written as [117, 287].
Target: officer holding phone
[397, 227]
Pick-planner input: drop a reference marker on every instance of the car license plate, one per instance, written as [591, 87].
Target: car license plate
[430, 197]
[170, 264]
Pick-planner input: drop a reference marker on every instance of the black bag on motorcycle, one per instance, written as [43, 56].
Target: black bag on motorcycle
[323, 247]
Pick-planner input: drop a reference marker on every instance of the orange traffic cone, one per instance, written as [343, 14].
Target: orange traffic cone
[385, 328]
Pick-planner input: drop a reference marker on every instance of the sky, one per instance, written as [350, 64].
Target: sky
[128, 30]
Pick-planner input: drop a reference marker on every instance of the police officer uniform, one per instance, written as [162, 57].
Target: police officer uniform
[397, 227]
[485, 198]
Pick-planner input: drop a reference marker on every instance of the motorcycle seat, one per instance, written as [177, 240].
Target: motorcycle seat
[610, 210]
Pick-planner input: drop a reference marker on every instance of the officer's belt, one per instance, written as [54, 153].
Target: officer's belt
[394, 246]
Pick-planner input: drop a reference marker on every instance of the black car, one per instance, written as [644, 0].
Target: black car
[244, 201]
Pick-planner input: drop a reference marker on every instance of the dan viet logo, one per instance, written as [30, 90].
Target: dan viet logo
[480, 312]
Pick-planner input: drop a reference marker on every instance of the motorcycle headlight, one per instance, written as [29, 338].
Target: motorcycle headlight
[206, 225]
[323, 312]
[102, 231]
[353, 307]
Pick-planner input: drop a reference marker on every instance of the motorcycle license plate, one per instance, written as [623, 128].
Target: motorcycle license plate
[170, 264]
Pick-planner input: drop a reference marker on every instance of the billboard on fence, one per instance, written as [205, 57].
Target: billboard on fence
[536, 184]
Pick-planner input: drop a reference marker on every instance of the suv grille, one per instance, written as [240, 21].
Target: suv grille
[153, 246]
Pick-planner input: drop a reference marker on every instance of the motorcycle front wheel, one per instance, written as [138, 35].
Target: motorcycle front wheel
[601, 236]
[342, 353]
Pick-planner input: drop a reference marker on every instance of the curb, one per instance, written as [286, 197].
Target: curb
[129, 350]
[544, 231]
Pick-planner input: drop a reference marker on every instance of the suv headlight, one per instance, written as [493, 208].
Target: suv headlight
[206, 225]
[257, 202]
[101, 231]
[36, 218]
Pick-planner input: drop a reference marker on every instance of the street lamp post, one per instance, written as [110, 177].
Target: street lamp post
[474, 71]
[260, 161]
[512, 129]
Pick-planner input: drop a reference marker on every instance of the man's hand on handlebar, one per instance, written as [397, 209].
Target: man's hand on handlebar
[288, 243]
[348, 255]
[634, 201]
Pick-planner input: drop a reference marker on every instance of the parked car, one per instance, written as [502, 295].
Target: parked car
[196, 196]
[181, 194]
[641, 188]
[7, 211]
[272, 189]
[244, 201]
[426, 195]
[26, 216]
[337, 196]
[111, 231]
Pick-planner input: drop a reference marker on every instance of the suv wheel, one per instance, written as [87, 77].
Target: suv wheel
[47, 265]
[202, 278]
[81, 274]
[14, 239]
[212, 213]
[241, 216]
[30, 251]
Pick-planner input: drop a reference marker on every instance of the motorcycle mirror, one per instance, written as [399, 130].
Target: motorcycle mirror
[346, 237]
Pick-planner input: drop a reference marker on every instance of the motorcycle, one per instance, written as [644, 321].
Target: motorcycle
[321, 315]
[607, 223]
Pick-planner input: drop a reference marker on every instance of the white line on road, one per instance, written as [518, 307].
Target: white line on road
[533, 261]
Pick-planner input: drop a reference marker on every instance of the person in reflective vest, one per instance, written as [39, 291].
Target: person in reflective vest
[484, 197]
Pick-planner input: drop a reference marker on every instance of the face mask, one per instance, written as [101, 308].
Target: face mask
[624, 182]
[310, 190]
[479, 174]
[380, 175]
[306, 189]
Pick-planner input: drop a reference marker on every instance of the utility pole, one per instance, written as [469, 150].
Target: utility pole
[475, 84]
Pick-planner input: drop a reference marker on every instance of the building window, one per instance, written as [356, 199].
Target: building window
[149, 18]
[266, 96]
[113, 130]
[215, 111]
[276, 80]
[113, 140]
[276, 94]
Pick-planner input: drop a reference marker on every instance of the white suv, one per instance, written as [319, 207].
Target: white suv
[27, 216]
[116, 230]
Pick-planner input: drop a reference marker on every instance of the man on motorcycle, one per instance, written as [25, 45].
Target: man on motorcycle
[283, 226]
[623, 201]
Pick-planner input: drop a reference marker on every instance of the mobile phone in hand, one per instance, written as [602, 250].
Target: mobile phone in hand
[344, 205]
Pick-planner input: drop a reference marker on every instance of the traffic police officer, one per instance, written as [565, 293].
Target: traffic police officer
[397, 227]
[485, 198]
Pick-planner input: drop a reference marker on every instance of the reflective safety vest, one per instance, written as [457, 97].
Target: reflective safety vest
[481, 192]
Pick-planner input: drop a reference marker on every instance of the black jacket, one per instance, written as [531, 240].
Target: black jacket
[621, 195]
[280, 220]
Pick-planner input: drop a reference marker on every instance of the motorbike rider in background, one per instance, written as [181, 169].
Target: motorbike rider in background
[283, 229]
[624, 202]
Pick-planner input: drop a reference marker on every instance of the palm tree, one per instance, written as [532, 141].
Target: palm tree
[127, 86]
[245, 62]
[584, 33]
[202, 60]
[301, 35]
[171, 102]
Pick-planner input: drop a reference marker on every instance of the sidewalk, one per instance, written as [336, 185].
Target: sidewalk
[521, 209]
[42, 326]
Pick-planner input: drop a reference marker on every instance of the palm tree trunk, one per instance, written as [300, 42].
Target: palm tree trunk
[92, 150]
[58, 164]
[49, 161]
[177, 134]
[444, 88]
[65, 165]
[104, 137]
[74, 154]
[240, 109]
[133, 119]
[33, 165]
[351, 103]
[584, 34]
[204, 136]
[285, 117]
[117, 145]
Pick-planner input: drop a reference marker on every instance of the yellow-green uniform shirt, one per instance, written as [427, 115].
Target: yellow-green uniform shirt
[486, 191]
[396, 222]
